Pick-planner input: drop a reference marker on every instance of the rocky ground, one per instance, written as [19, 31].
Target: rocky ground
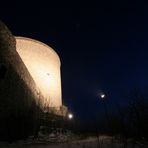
[90, 142]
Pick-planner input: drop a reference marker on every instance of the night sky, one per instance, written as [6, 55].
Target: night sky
[103, 47]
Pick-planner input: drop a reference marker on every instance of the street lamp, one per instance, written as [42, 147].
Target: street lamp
[103, 99]
[102, 96]
[70, 116]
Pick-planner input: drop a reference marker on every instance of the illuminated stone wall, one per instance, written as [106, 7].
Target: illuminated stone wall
[43, 64]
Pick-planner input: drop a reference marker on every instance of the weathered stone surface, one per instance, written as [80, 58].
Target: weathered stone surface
[7, 41]
[19, 96]
[43, 64]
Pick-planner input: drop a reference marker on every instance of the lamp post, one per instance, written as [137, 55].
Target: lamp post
[103, 99]
[70, 117]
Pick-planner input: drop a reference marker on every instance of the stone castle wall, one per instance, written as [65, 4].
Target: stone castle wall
[43, 64]
[20, 98]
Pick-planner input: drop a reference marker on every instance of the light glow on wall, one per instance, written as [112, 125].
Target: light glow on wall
[43, 64]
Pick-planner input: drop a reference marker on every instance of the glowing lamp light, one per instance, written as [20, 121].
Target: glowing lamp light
[70, 116]
[102, 96]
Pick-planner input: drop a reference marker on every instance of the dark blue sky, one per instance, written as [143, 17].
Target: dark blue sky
[103, 46]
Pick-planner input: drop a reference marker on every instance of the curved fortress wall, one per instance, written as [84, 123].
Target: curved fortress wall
[43, 64]
[20, 98]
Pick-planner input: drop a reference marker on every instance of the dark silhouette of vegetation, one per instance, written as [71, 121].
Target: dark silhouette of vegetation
[128, 122]
[131, 120]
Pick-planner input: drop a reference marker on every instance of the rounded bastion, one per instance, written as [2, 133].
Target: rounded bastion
[43, 64]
